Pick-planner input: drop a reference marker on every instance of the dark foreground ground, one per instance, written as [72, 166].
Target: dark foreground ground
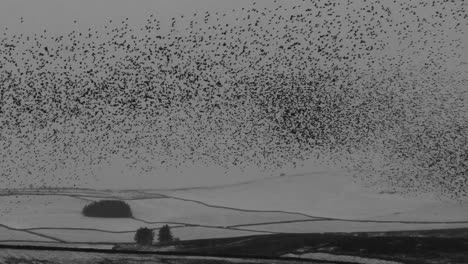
[434, 246]
[12, 255]
[414, 247]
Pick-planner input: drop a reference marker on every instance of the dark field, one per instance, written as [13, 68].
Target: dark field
[434, 246]
[415, 247]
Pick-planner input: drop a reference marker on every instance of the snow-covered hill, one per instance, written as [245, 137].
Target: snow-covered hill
[328, 193]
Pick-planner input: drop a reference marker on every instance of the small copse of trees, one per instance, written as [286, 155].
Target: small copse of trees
[108, 208]
[165, 235]
[144, 236]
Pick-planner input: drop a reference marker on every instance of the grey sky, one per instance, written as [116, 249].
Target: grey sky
[57, 16]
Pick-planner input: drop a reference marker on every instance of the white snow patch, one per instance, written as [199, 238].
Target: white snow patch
[444, 211]
[33, 211]
[88, 236]
[189, 233]
[173, 210]
[8, 234]
[329, 193]
[331, 257]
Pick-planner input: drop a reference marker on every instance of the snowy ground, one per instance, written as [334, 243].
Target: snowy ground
[323, 194]
[54, 211]
[331, 257]
[432, 212]
[9, 235]
[188, 233]
[318, 201]
[173, 210]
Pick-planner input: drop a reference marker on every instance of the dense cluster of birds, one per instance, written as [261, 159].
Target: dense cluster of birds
[262, 87]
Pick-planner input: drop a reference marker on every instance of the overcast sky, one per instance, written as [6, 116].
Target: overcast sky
[57, 16]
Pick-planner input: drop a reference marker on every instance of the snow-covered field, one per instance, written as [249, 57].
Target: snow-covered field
[287, 204]
[188, 233]
[328, 193]
[431, 212]
[59, 216]
[87, 235]
[331, 257]
[7, 234]
[33, 211]
[173, 210]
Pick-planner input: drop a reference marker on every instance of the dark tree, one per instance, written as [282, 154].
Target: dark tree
[165, 234]
[107, 208]
[144, 236]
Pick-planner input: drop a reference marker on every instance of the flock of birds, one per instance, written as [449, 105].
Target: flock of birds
[263, 87]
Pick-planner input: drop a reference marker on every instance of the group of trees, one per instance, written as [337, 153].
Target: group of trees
[120, 209]
[108, 208]
[144, 236]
